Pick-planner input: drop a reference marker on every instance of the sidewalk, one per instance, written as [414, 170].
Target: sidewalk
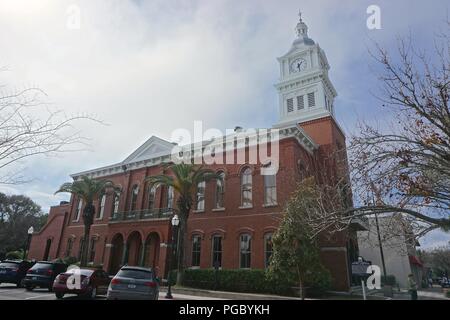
[201, 294]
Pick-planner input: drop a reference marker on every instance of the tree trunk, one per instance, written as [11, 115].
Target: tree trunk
[180, 247]
[300, 285]
[88, 218]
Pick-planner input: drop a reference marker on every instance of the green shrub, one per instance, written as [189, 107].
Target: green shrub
[251, 281]
[70, 260]
[15, 255]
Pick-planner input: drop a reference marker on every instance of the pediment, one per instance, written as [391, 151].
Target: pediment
[152, 148]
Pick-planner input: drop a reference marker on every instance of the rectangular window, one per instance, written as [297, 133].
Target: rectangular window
[80, 248]
[196, 248]
[245, 251]
[217, 251]
[78, 210]
[101, 210]
[270, 190]
[311, 100]
[200, 199]
[69, 247]
[92, 250]
[170, 197]
[300, 103]
[268, 249]
[290, 104]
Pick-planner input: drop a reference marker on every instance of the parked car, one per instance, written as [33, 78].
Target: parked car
[43, 274]
[445, 282]
[91, 283]
[134, 283]
[13, 271]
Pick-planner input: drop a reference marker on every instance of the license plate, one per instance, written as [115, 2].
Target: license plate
[132, 286]
[34, 278]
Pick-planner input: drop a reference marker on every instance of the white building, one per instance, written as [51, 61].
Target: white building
[398, 249]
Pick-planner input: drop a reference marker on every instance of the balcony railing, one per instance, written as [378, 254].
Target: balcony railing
[147, 214]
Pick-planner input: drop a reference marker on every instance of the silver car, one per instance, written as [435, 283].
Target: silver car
[134, 283]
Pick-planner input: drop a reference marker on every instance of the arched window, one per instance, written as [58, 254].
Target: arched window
[196, 250]
[270, 190]
[116, 202]
[220, 191]
[268, 248]
[170, 197]
[101, 209]
[134, 196]
[200, 196]
[245, 250]
[246, 187]
[151, 197]
[78, 210]
[69, 247]
[217, 251]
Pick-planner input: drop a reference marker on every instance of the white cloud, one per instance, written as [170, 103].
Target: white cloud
[149, 67]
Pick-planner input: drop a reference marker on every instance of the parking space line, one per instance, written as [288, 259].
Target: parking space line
[36, 297]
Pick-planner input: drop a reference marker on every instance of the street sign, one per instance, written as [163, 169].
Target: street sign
[359, 268]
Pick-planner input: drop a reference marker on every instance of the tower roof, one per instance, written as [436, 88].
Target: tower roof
[302, 33]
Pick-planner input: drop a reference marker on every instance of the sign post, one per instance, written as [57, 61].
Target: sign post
[359, 269]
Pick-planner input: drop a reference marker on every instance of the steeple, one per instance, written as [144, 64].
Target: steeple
[302, 33]
[305, 91]
[302, 28]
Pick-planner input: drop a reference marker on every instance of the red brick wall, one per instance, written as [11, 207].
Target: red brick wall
[230, 222]
[52, 232]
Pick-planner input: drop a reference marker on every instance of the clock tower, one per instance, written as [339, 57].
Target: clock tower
[305, 91]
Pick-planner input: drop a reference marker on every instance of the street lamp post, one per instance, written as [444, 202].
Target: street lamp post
[30, 233]
[175, 222]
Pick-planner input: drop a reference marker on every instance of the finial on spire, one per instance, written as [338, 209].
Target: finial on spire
[301, 28]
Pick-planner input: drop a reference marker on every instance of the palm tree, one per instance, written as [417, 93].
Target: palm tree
[88, 190]
[184, 181]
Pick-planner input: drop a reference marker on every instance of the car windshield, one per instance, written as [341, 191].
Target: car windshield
[42, 266]
[9, 265]
[135, 274]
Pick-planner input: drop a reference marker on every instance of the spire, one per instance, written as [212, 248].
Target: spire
[301, 28]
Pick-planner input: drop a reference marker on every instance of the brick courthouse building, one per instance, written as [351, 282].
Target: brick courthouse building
[233, 221]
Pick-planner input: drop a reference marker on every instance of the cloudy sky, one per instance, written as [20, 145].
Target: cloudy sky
[148, 67]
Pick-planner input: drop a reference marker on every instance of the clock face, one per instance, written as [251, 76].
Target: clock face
[298, 65]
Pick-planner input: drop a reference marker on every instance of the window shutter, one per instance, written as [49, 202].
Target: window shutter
[300, 102]
[311, 100]
[290, 105]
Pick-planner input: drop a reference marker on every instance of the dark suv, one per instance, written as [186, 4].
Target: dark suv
[13, 271]
[42, 275]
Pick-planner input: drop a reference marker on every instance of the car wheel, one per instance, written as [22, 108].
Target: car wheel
[19, 284]
[29, 288]
[59, 295]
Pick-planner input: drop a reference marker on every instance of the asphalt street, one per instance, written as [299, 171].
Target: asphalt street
[11, 292]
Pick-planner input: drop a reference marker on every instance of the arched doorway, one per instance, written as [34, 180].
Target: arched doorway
[47, 249]
[134, 244]
[116, 254]
[151, 251]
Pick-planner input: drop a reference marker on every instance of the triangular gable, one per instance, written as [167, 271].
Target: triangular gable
[153, 147]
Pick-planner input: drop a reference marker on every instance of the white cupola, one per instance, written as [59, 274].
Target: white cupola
[305, 91]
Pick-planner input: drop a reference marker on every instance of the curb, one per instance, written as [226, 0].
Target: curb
[226, 295]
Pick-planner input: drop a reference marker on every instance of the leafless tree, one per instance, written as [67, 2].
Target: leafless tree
[30, 127]
[402, 167]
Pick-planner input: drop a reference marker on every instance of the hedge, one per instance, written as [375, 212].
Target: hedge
[243, 280]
